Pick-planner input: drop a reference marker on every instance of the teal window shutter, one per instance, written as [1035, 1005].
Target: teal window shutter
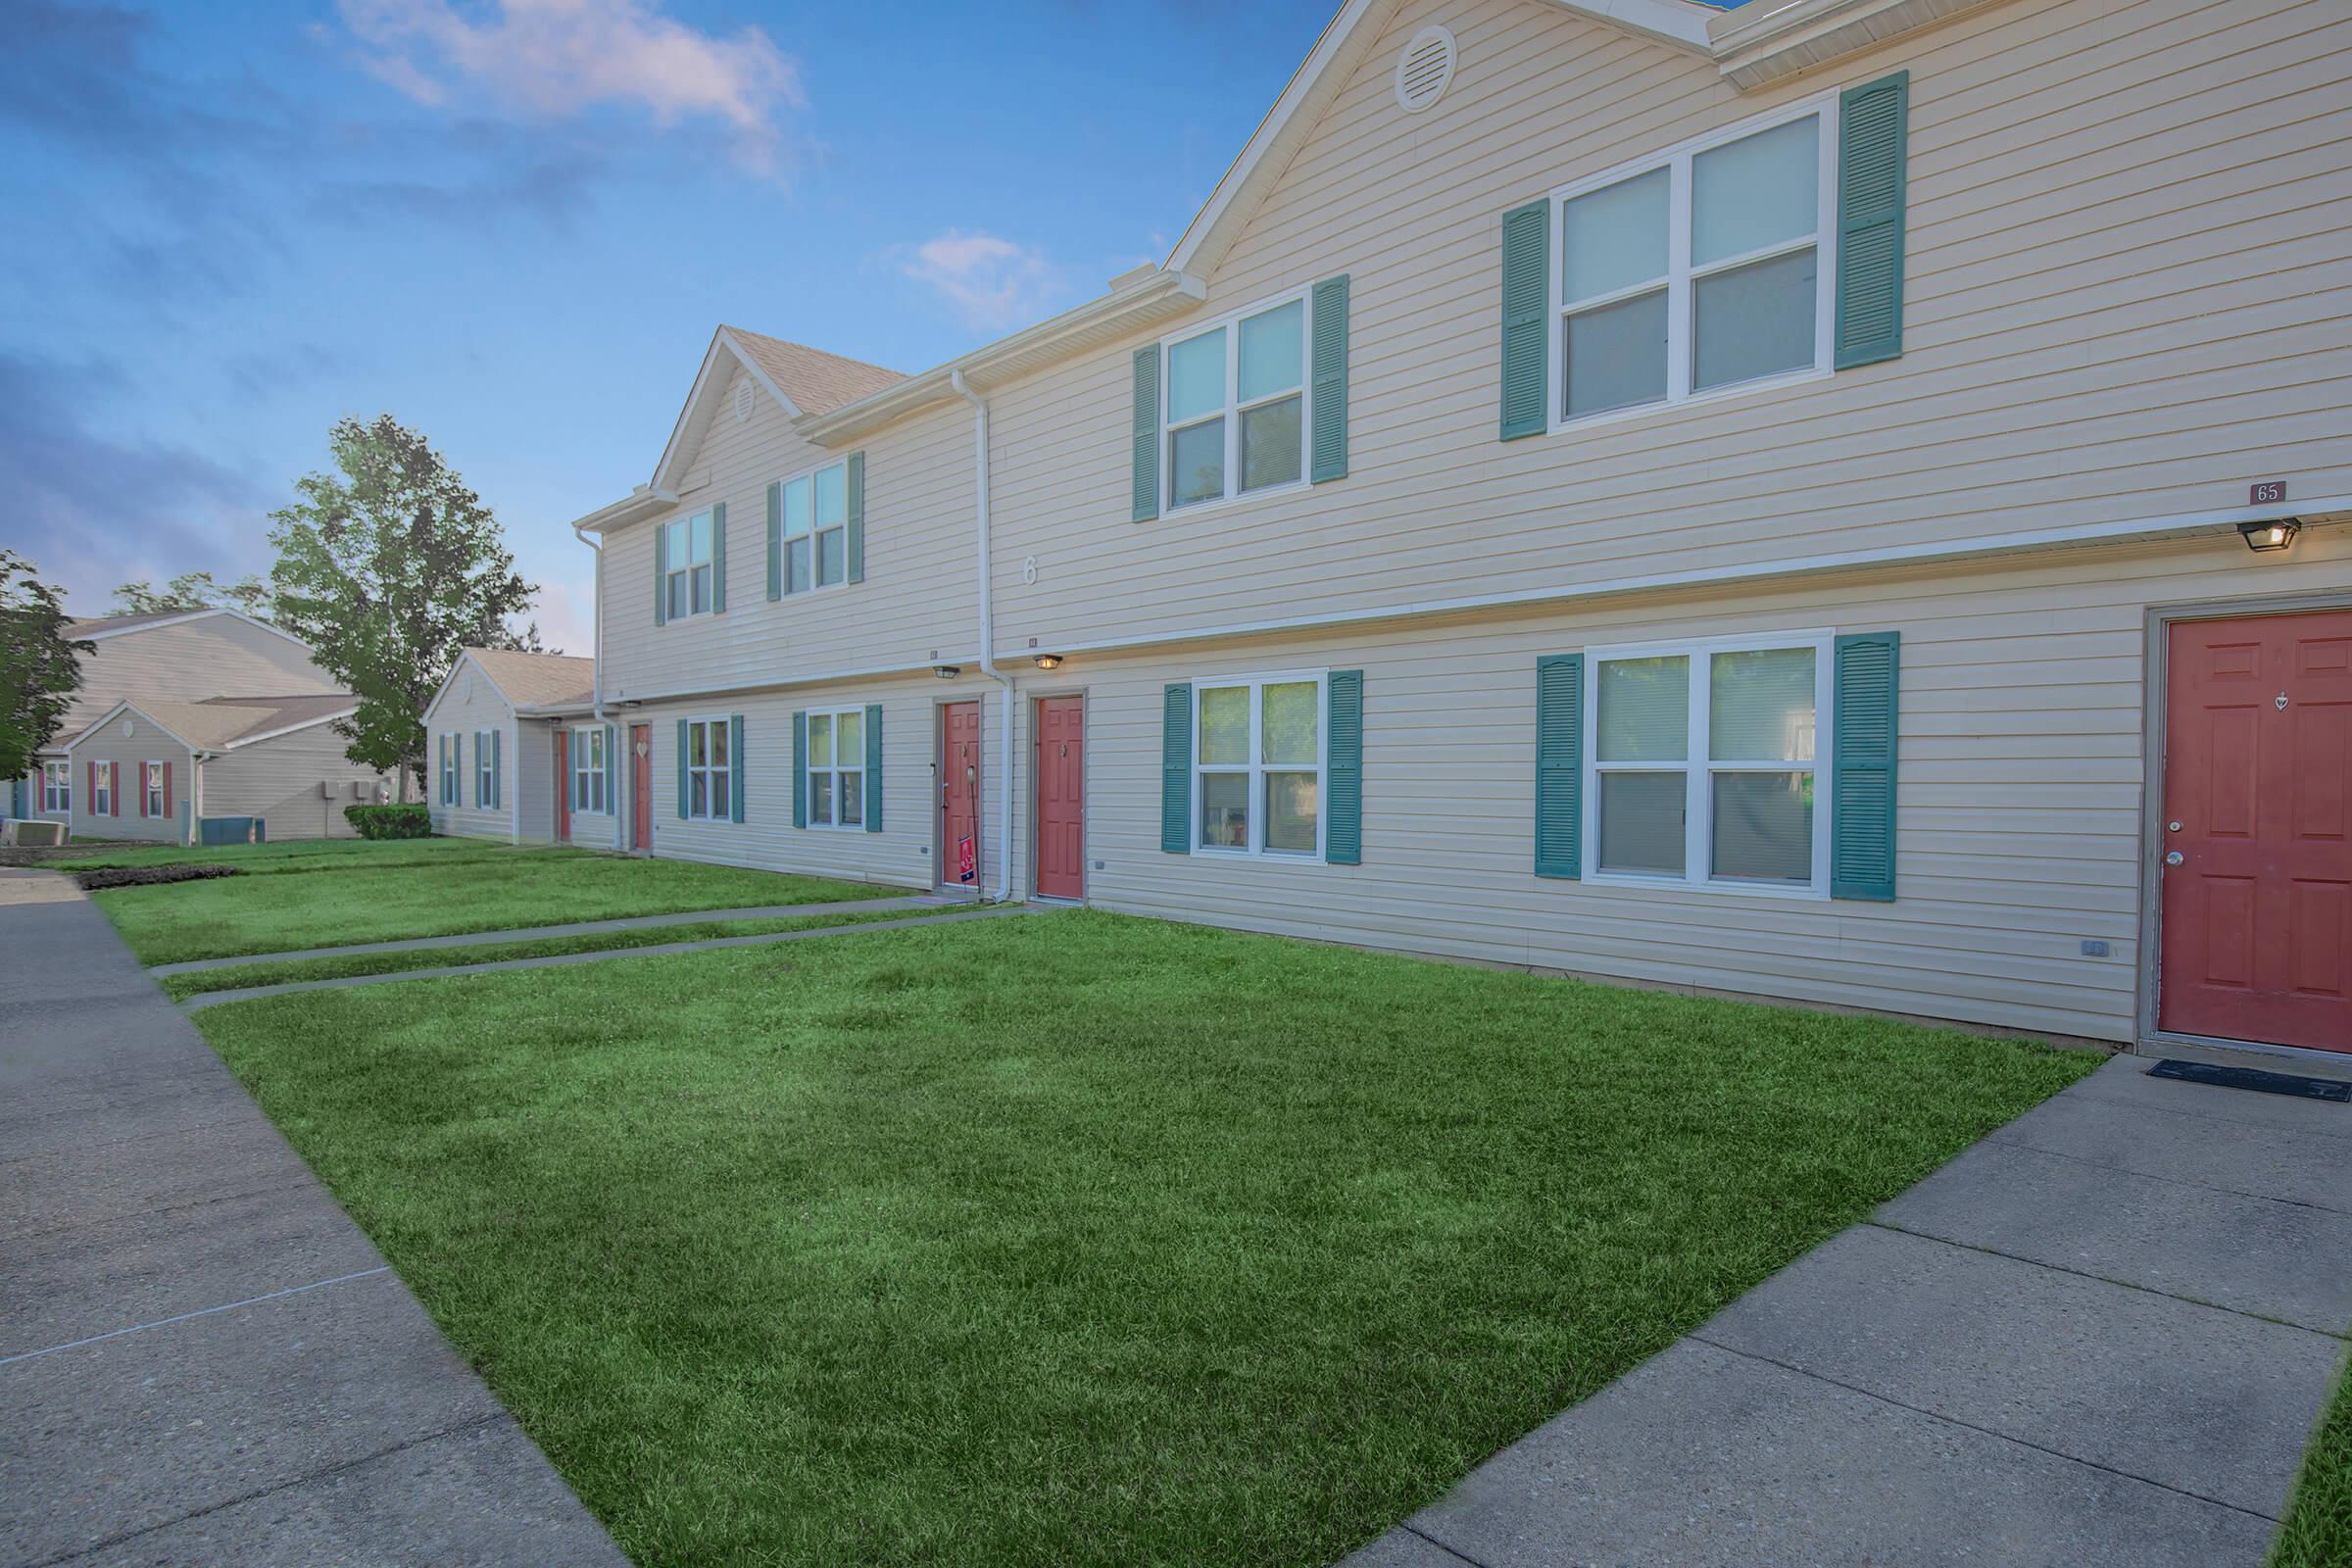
[498, 777]
[1145, 429]
[718, 558]
[799, 769]
[855, 544]
[1560, 765]
[1176, 770]
[1867, 701]
[1526, 334]
[1873, 143]
[775, 540]
[1330, 378]
[456, 761]
[873, 767]
[735, 766]
[1344, 769]
[612, 771]
[661, 573]
[682, 770]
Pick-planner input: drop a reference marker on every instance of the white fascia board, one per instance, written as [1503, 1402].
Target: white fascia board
[646, 501]
[289, 729]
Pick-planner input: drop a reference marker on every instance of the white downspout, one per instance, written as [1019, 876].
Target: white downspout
[988, 635]
[595, 679]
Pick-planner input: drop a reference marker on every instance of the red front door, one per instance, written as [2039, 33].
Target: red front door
[2257, 831]
[563, 786]
[1061, 796]
[959, 795]
[641, 787]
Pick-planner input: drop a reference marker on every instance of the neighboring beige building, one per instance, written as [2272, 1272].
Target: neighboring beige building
[514, 752]
[1841, 502]
[203, 658]
[158, 769]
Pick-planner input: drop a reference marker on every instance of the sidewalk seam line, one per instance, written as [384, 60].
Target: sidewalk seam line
[1994, 1137]
[202, 1311]
[1412, 1529]
[1971, 1426]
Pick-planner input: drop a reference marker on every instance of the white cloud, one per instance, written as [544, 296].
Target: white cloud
[559, 57]
[992, 283]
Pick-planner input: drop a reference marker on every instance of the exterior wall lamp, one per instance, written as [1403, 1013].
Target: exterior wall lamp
[1049, 660]
[2275, 534]
[947, 671]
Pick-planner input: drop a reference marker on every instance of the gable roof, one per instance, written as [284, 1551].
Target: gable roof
[803, 380]
[224, 723]
[98, 628]
[534, 680]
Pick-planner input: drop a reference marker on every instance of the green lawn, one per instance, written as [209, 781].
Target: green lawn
[291, 854]
[236, 976]
[329, 896]
[2317, 1531]
[1073, 1238]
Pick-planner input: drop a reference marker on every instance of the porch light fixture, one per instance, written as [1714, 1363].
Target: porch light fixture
[947, 671]
[2275, 534]
[1049, 660]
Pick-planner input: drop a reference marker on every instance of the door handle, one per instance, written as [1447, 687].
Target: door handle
[2175, 858]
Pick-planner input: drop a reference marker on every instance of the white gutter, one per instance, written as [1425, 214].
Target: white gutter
[987, 633]
[596, 688]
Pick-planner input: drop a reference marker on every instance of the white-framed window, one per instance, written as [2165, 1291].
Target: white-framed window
[815, 528]
[102, 790]
[687, 556]
[449, 770]
[57, 787]
[837, 768]
[1705, 767]
[1258, 751]
[152, 779]
[1707, 268]
[708, 761]
[1233, 404]
[588, 769]
[485, 771]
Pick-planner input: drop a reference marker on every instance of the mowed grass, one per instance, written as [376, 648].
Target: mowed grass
[406, 889]
[237, 976]
[282, 857]
[1077, 1239]
[2317, 1531]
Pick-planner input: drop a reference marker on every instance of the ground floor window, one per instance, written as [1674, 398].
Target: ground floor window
[449, 770]
[588, 771]
[57, 786]
[1258, 755]
[837, 768]
[707, 769]
[1703, 762]
[485, 771]
[154, 784]
[102, 789]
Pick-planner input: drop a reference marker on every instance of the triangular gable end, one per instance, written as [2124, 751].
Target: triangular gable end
[709, 391]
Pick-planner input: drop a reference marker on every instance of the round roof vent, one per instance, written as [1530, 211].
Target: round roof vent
[743, 400]
[1424, 69]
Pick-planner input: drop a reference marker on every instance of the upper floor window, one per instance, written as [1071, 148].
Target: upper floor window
[1258, 746]
[837, 768]
[707, 770]
[1703, 767]
[588, 769]
[1235, 410]
[157, 805]
[57, 786]
[816, 528]
[1706, 270]
[688, 549]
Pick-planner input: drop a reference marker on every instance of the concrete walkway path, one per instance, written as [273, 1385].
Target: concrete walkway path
[576, 928]
[2100, 1337]
[202, 1360]
[560, 960]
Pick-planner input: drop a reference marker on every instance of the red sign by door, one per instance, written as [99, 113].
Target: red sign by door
[960, 793]
[1061, 796]
[641, 787]
[2256, 851]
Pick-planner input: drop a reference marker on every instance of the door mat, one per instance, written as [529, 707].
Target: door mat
[2269, 1083]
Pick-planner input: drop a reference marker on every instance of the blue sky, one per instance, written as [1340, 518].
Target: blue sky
[513, 223]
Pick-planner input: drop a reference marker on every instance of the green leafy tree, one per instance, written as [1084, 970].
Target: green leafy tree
[193, 590]
[39, 670]
[387, 569]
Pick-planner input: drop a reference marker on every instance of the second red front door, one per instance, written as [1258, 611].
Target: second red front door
[959, 795]
[1061, 797]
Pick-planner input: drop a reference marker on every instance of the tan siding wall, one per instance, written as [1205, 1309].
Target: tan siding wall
[917, 594]
[280, 779]
[188, 663]
[531, 778]
[145, 744]
[2126, 299]
[469, 704]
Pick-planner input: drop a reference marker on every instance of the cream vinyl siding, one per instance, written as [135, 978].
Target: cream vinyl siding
[530, 780]
[2019, 793]
[590, 830]
[145, 744]
[278, 779]
[468, 704]
[918, 588]
[2126, 298]
[190, 661]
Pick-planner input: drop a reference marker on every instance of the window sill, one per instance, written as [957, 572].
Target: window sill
[1278, 856]
[1713, 395]
[836, 827]
[1740, 890]
[1190, 508]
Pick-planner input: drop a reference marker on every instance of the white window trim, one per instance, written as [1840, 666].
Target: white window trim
[1699, 768]
[102, 796]
[675, 570]
[1258, 768]
[449, 773]
[808, 800]
[1232, 324]
[485, 773]
[815, 531]
[1678, 270]
[588, 779]
[725, 771]
[57, 786]
[151, 789]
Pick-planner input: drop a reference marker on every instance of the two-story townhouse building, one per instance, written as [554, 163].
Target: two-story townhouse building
[1839, 502]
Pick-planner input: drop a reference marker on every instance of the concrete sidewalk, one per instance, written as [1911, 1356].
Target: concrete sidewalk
[2100, 1337]
[202, 1360]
